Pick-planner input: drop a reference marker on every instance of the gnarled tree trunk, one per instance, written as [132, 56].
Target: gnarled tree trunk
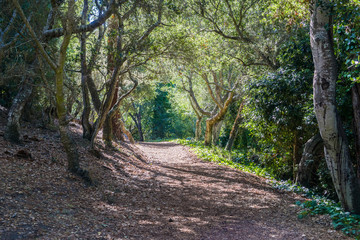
[211, 122]
[355, 95]
[114, 115]
[337, 154]
[68, 143]
[235, 128]
[198, 128]
[86, 125]
[196, 108]
[106, 106]
[309, 160]
[126, 131]
[137, 120]
[216, 132]
[12, 132]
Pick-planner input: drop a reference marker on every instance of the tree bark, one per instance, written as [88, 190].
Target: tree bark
[198, 128]
[355, 95]
[106, 106]
[208, 132]
[12, 132]
[114, 114]
[337, 154]
[66, 140]
[117, 130]
[126, 132]
[235, 128]
[295, 154]
[195, 106]
[216, 132]
[309, 161]
[210, 122]
[107, 132]
[87, 127]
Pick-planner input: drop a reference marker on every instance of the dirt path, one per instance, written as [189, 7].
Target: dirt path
[149, 191]
[202, 200]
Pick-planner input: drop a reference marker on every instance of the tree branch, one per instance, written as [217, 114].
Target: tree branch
[33, 35]
[204, 76]
[195, 102]
[58, 32]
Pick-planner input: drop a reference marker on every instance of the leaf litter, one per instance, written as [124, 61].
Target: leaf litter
[142, 191]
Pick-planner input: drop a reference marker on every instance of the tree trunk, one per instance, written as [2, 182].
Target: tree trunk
[107, 132]
[93, 92]
[127, 132]
[114, 114]
[87, 127]
[198, 128]
[216, 132]
[112, 128]
[295, 155]
[212, 131]
[66, 140]
[141, 134]
[106, 106]
[139, 125]
[210, 122]
[235, 128]
[337, 153]
[12, 132]
[208, 132]
[137, 120]
[355, 95]
[115, 130]
[309, 161]
[68, 143]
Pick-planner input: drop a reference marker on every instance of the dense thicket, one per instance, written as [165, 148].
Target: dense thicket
[276, 80]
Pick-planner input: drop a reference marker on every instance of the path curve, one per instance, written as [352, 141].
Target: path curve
[207, 201]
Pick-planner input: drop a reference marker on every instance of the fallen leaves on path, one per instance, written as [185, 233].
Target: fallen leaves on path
[148, 191]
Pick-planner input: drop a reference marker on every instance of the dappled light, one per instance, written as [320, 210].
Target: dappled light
[165, 119]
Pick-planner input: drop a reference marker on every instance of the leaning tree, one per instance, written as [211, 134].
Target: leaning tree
[337, 152]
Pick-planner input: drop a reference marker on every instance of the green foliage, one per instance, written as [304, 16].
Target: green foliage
[289, 186]
[324, 186]
[166, 117]
[219, 155]
[346, 222]
[161, 115]
[282, 98]
[279, 115]
[296, 54]
[346, 36]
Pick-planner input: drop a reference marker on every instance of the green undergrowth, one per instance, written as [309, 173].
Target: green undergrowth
[161, 140]
[346, 222]
[223, 157]
[318, 205]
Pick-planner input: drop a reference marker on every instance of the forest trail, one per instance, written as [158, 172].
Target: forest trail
[143, 191]
[208, 201]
